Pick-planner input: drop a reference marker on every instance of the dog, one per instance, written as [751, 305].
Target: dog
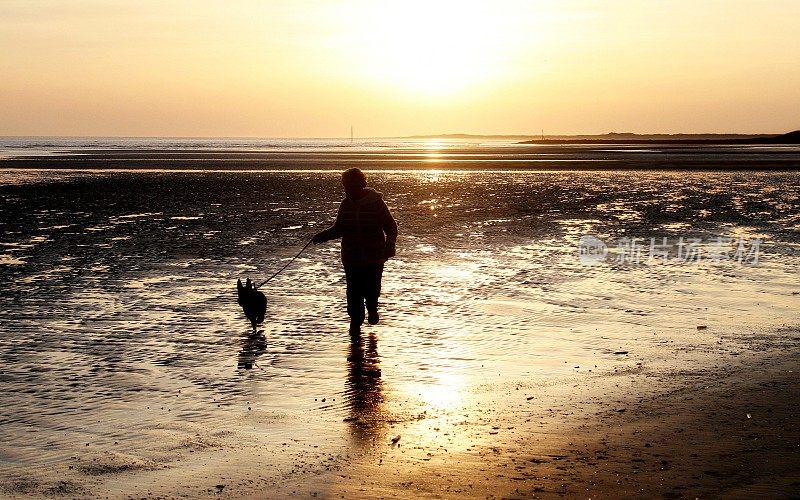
[253, 302]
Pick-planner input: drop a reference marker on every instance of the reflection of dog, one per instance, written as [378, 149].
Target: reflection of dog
[253, 302]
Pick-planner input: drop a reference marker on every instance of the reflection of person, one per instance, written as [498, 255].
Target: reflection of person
[364, 390]
[368, 233]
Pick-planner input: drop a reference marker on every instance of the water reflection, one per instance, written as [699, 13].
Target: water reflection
[364, 389]
[253, 346]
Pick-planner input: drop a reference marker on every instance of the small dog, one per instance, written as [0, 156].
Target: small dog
[253, 302]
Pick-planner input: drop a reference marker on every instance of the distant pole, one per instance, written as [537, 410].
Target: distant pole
[542, 134]
[351, 134]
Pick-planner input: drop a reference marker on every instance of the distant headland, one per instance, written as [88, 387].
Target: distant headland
[688, 139]
[630, 138]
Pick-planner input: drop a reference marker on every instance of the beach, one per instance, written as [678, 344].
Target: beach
[507, 362]
[657, 431]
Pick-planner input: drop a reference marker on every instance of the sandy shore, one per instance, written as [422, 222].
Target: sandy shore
[611, 156]
[674, 429]
[724, 430]
[679, 427]
[502, 366]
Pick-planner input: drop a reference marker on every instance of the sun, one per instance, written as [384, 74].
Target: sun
[428, 47]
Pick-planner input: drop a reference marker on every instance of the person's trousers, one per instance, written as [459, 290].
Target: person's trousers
[363, 286]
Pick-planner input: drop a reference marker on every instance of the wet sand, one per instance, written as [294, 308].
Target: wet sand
[504, 365]
[680, 429]
[392, 154]
[687, 427]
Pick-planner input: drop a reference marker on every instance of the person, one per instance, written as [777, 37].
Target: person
[369, 236]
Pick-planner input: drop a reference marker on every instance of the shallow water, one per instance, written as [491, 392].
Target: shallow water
[120, 323]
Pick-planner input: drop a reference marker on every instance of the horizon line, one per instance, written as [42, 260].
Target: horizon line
[413, 136]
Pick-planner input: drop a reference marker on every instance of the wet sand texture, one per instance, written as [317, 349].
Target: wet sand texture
[502, 365]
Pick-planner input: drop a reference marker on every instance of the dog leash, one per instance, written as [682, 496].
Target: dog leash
[284, 267]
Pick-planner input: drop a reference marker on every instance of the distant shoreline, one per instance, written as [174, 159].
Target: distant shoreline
[791, 138]
[615, 137]
[611, 136]
[592, 155]
[631, 138]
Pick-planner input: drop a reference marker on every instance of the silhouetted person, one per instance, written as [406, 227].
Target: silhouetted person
[368, 233]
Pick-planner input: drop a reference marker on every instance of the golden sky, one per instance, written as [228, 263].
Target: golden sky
[312, 68]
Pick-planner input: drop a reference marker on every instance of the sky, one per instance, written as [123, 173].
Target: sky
[299, 68]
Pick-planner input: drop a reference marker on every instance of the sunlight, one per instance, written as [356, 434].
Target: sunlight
[455, 273]
[432, 175]
[446, 392]
[430, 48]
[434, 148]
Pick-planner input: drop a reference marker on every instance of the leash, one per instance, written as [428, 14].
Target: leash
[284, 267]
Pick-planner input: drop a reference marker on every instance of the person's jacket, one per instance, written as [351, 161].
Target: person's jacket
[367, 229]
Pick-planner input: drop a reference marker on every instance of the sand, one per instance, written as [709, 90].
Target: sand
[674, 428]
[726, 430]
[502, 365]
[398, 154]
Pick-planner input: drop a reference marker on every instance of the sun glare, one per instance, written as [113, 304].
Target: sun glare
[445, 391]
[428, 48]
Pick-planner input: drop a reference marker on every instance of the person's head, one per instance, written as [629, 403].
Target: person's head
[354, 181]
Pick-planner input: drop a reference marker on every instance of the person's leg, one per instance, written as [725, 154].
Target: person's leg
[355, 297]
[373, 291]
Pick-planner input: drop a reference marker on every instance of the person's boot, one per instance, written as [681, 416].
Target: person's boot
[372, 316]
[355, 327]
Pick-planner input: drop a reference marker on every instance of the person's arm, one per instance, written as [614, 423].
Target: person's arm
[333, 232]
[389, 226]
